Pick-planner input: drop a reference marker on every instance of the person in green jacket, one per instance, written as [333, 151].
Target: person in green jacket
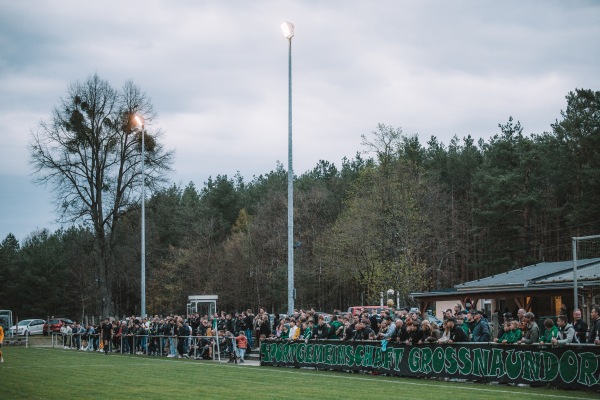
[517, 333]
[505, 335]
[512, 334]
[335, 328]
[461, 320]
[285, 333]
[308, 331]
[550, 331]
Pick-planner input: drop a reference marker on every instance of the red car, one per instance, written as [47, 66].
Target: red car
[54, 324]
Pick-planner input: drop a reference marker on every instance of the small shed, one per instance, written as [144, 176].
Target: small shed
[202, 304]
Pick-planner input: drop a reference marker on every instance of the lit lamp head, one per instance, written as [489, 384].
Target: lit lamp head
[139, 120]
[288, 30]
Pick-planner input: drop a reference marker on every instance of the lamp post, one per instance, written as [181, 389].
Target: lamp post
[288, 32]
[140, 123]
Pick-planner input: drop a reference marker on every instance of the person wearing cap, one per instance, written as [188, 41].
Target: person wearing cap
[532, 330]
[456, 334]
[480, 329]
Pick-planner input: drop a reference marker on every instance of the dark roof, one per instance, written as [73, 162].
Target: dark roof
[435, 293]
[523, 276]
[587, 274]
[540, 276]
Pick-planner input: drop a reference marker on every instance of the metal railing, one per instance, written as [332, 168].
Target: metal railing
[152, 345]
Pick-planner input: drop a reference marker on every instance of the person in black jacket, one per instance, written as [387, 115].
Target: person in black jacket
[594, 336]
[106, 333]
[181, 332]
[363, 332]
[414, 333]
[229, 324]
[374, 320]
[248, 319]
[580, 326]
[322, 329]
[457, 335]
[351, 328]
[264, 328]
[400, 334]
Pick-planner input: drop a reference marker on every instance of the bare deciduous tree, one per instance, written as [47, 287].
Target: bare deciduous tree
[89, 152]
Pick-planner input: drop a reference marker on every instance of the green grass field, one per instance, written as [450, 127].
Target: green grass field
[46, 373]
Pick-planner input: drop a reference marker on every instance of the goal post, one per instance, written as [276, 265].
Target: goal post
[591, 249]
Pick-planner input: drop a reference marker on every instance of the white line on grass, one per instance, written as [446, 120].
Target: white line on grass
[316, 374]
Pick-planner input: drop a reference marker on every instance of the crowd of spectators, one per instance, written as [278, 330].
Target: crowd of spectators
[408, 326]
[236, 334]
[174, 336]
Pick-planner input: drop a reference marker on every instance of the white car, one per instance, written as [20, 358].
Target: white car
[29, 327]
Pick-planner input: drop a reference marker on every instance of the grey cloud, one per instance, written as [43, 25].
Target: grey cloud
[217, 73]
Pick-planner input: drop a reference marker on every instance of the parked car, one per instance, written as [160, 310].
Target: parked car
[6, 320]
[54, 324]
[28, 327]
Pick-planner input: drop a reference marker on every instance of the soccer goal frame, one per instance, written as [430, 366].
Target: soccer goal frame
[576, 240]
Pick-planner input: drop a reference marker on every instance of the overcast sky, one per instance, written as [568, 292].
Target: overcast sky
[217, 74]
